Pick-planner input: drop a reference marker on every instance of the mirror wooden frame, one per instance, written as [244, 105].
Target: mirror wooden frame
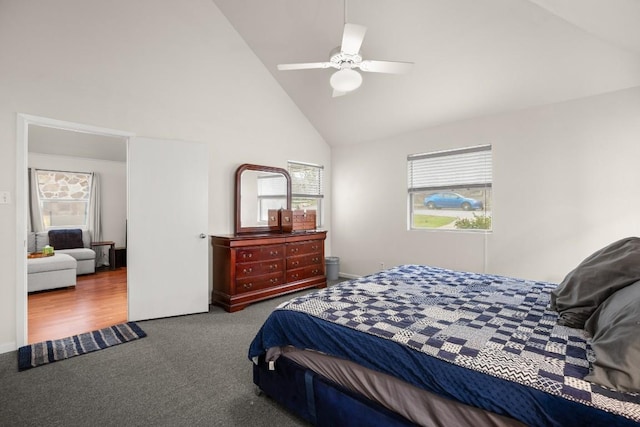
[239, 229]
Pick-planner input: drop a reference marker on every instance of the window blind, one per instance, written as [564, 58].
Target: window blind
[469, 167]
[306, 180]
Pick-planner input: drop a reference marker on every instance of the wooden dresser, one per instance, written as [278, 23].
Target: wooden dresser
[251, 268]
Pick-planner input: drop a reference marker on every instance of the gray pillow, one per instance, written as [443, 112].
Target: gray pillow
[595, 279]
[615, 328]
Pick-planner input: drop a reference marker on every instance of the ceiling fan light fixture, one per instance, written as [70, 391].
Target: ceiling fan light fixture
[345, 80]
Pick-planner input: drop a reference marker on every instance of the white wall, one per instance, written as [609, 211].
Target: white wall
[113, 183]
[565, 184]
[162, 69]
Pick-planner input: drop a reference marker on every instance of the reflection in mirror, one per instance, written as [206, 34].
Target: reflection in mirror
[261, 191]
[258, 189]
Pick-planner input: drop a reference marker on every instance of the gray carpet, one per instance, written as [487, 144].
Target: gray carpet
[189, 371]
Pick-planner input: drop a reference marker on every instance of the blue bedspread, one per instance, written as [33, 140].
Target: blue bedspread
[484, 340]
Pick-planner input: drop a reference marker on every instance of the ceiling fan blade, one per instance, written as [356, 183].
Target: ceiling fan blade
[352, 38]
[338, 93]
[303, 66]
[393, 67]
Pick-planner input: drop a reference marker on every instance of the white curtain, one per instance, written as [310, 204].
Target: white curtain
[35, 214]
[95, 221]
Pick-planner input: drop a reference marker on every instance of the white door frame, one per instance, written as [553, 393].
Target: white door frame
[22, 149]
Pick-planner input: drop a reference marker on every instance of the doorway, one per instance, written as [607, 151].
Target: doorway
[166, 214]
[51, 144]
[99, 299]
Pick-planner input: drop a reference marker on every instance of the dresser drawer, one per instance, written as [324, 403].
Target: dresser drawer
[305, 273]
[259, 253]
[260, 282]
[303, 261]
[303, 248]
[250, 269]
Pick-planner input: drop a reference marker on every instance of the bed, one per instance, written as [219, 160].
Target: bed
[420, 345]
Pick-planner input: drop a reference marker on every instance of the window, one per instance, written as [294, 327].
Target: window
[64, 198]
[450, 189]
[307, 189]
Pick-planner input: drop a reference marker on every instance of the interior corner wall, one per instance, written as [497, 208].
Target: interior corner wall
[565, 179]
[160, 69]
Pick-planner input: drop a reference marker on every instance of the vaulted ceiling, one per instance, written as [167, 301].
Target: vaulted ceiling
[472, 57]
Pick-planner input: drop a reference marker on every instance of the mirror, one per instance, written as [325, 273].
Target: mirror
[258, 189]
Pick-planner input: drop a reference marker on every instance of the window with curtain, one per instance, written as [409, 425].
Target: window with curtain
[63, 198]
[307, 191]
[450, 190]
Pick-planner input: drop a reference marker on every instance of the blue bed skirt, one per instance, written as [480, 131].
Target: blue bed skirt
[318, 400]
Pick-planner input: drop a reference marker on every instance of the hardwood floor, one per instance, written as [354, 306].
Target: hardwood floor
[97, 301]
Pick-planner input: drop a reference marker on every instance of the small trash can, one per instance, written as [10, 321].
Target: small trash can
[332, 264]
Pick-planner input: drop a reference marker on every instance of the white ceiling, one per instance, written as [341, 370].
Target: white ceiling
[472, 57]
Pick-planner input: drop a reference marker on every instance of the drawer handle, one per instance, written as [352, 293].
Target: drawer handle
[294, 263]
[272, 218]
[315, 259]
[315, 271]
[294, 250]
[247, 285]
[314, 247]
[245, 255]
[273, 266]
[295, 276]
[274, 280]
[247, 270]
[273, 253]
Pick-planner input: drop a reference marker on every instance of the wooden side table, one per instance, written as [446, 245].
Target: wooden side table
[112, 252]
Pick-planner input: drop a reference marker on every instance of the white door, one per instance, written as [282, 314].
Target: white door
[167, 246]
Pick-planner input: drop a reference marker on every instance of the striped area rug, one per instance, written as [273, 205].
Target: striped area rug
[45, 352]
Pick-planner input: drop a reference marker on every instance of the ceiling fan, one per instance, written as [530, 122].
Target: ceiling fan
[346, 59]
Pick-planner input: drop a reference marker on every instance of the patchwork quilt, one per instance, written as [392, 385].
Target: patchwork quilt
[486, 340]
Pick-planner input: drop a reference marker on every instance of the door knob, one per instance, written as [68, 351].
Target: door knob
[203, 236]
